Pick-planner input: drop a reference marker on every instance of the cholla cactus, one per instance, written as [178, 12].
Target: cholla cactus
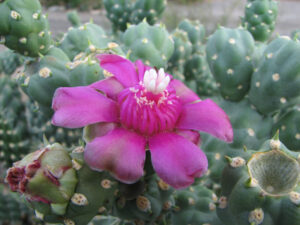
[24, 28]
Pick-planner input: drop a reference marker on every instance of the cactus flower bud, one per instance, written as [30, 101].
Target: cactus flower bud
[44, 176]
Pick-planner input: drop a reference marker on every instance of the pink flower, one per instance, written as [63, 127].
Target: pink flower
[137, 109]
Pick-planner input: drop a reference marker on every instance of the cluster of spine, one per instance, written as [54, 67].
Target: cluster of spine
[124, 12]
[260, 18]
[23, 27]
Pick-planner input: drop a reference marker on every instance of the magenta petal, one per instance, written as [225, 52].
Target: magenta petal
[142, 68]
[93, 131]
[208, 117]
[185, 94]
[176, 160]
[121, 68]
[121, 152]
[80, 106]
[110, 86]
[191, 135]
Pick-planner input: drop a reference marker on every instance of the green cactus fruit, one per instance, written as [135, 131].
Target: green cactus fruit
[195, 205]
[9, 62]
[118, 12]
[74, 18]
[198, 76]
[250, 128]
[288, 125]
[229, 54]
[144, 201]
[262, 187]
[275, 83]
[182, 51]
[61, 187]
[88, 37]
[23, 27]
[195, 31]
[152, 44]
[150, 10]
[14, 136]
[13, 210]
[260, 18]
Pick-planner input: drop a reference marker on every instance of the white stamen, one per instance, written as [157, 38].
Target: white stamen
[156, 82]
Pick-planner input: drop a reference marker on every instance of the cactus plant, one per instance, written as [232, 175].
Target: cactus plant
[195, 205]
[151, 44]
[229, 54]
[261, 188]
[118, 12]
[260, 18]
[14, 136]
[13, 210]
[150, 10]
[23, 27]
[9, 62]
[274, 85]
[59, 186]
[287, 124]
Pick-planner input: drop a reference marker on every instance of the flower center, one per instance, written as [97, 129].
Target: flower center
[151, 106]
[156, 83]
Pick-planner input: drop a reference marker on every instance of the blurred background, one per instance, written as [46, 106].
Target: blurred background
[210, 12]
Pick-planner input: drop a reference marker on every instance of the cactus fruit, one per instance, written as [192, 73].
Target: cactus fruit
[260, 18]
[261, 188]
[60, 187]
[14, 136]
[150, 10]
[23, 27]
[288, 125]
[275, 84]
[195, 205]
[229, 54]
[9, 62]
[118, 12]
[152, 44]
